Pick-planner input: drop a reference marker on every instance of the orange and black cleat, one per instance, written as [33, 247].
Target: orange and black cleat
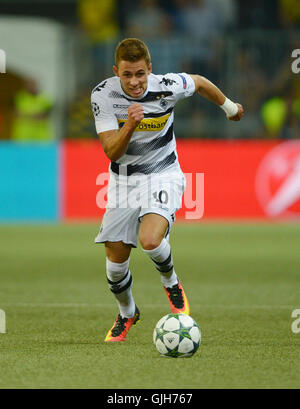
[121, 326]
[177, 299]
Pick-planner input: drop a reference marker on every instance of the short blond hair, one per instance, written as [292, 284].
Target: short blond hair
[132, 50]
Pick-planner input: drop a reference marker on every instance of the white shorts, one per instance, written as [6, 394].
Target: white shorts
[130, 198]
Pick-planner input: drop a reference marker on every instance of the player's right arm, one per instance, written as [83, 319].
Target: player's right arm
[115, 141]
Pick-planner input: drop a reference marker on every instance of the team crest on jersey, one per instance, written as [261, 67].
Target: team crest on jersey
[163, 103]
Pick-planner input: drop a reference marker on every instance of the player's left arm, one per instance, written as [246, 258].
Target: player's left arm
[204, 87]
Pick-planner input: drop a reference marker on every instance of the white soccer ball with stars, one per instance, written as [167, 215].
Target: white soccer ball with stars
[177, 336]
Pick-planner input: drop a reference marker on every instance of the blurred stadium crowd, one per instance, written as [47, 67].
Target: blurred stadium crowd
[243, 47]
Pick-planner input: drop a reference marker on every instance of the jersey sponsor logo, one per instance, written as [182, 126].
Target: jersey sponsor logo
[149, 124]
[183, 80]
[278, 181]
[121, 106]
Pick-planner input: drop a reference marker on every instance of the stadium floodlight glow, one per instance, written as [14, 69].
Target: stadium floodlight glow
[2, 62]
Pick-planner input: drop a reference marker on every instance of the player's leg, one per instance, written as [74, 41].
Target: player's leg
[119, 231]
[120, 282]
[152, 236]
[119, 276]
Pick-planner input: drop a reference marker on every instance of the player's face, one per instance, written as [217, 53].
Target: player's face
[133, 76]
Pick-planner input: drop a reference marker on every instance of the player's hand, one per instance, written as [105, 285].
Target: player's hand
[238, 116]
[135, 114]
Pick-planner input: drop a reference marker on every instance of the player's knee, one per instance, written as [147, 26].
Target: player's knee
[149, 242]
[117, 252]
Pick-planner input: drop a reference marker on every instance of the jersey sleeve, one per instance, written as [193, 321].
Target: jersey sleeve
[105, 120]
[181, 84]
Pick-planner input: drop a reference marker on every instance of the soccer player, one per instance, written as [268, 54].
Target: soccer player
[134, 116]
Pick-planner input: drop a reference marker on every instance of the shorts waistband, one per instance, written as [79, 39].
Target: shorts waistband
[146, 169]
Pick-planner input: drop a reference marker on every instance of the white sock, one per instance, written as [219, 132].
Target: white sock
[162, 258]
[120, 282]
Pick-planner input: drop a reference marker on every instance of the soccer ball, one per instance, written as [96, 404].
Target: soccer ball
[177, 336]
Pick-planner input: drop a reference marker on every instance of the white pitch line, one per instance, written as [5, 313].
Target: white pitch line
[154, 305]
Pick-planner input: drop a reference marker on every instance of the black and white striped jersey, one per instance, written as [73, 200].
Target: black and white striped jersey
[152, 147]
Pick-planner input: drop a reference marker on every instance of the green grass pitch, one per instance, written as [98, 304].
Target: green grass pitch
[242, 281]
